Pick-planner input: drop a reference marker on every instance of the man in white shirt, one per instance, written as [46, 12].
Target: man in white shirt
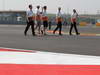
[59, 21]
[74, 22]
[30, 21]
[45, 19]
[38, 19]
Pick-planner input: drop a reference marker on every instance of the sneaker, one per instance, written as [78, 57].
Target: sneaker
[70, 34]
[78, 33]
[45, 34]
[60, 34]
[34, 34]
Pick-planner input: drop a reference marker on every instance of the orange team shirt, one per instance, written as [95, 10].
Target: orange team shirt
[73, 19]
[38, 15]
[59, 17]
[44, 16]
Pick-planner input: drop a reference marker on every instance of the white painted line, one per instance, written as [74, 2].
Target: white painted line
[47, 58]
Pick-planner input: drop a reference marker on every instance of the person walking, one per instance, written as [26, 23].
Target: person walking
[45, 19]
[59, 21]
[74, 22]
[38, 19]
[30, 21]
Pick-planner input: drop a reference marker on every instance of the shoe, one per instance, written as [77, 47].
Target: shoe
[60, 34]
[78, 33]
[45, 34]
[34, 34]
[70, 34]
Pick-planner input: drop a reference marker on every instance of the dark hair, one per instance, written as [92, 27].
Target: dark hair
[74, 10]
[45, 7]
[59, 8]
[38, 6]
[30, 5]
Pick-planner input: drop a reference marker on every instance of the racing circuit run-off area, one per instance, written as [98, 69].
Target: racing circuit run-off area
[18, 62]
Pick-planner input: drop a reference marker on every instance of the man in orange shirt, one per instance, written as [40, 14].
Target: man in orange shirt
[38, 19]
[74, 22]
[59, 21]
[45, 19]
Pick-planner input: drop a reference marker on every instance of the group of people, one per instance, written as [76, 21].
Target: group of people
[40, 17]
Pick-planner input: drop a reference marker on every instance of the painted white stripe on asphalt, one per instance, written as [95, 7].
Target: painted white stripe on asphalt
[47, 58]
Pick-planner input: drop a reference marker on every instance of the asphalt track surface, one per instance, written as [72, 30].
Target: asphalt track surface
[11, 36]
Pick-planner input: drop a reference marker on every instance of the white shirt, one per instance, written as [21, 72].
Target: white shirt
[75, 15]
[59, 15]
[38, 12]
[29, 13]
[44, 13]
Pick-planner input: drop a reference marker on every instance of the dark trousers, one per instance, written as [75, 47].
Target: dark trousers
[59, 26]
[45, 24]
[31, 23]
[73, 25]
